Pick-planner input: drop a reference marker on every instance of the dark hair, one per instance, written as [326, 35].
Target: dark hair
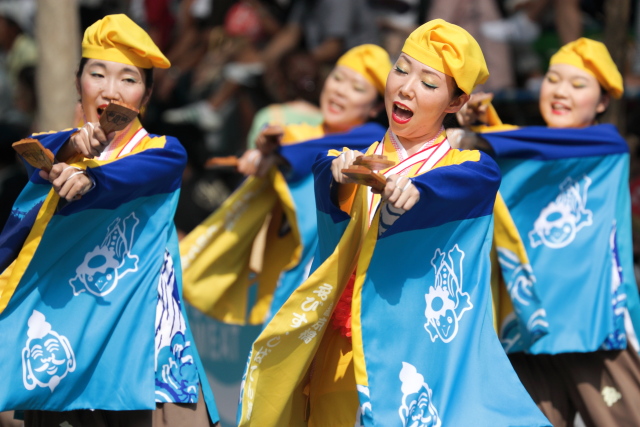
[450, 120]
[603, 93]
[148, 73]
[381, 118]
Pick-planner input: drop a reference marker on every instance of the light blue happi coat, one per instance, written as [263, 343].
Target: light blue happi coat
[96, 321]
[430, 351]
[568, 194]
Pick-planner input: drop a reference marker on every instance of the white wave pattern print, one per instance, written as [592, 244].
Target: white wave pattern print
[560, 221]
[417, 409]
[520, 282]
[617, 339]
[176, 373]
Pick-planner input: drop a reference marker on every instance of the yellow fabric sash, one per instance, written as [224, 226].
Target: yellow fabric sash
[505, 235]
[283, 352]
[216, 255]
[224, 256]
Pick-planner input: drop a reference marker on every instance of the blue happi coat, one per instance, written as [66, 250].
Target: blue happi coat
[567, 192]
[424, 351]
[91, 315]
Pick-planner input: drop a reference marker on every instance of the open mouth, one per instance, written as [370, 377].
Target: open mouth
[557, 108]
[101, 109]
[401, 113]
[335, 108]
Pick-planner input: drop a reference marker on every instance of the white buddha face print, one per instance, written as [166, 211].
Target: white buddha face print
[417, 409]
[47, 357]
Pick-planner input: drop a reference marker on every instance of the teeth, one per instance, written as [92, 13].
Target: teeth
[403, 108]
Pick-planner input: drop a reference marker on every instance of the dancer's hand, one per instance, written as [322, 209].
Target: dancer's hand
[69, 182]
[90, 141]
[475, 109]
[400, 192]
[343, 161]
[254, 162]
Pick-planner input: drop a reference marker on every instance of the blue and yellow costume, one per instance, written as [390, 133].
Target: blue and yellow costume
[422, 351]
[566, 203]
[90, 291]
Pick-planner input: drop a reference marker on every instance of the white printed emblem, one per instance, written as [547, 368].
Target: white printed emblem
[106, 264]
[417, 409]
[561, 219]
[445, 300]
[47, 356]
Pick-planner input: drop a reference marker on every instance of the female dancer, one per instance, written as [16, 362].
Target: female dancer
[90, 290]
[416, 346]
[566, 199]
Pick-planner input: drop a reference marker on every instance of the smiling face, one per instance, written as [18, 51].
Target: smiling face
[570, 97]
[47, 358]
[347, 100]
[104, 81]
[417, 98]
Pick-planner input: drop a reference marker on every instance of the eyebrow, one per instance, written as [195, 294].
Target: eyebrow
[424, 70]
[569, 77]
[124, 70]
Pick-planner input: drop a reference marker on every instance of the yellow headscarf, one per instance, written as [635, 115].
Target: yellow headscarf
[449, 49]
[594, 58]
[371, 61]
[117, 38]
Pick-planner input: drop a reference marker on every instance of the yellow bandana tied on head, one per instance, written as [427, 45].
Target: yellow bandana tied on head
[594, 58]
[449, 49]
[370, 61]
[117, 38]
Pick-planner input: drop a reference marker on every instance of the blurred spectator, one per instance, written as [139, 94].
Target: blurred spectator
[472, 15]
[156, 17]
[234, 55]
[13, 176]
[524, 25]
[634, 187]
[327, 27]
[396, 20]
[632, 78]
[25, 102]
[295, 86]
[17, 50]
[187, 27]
[92, 10]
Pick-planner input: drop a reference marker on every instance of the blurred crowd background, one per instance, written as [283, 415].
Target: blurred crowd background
[238, 64]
